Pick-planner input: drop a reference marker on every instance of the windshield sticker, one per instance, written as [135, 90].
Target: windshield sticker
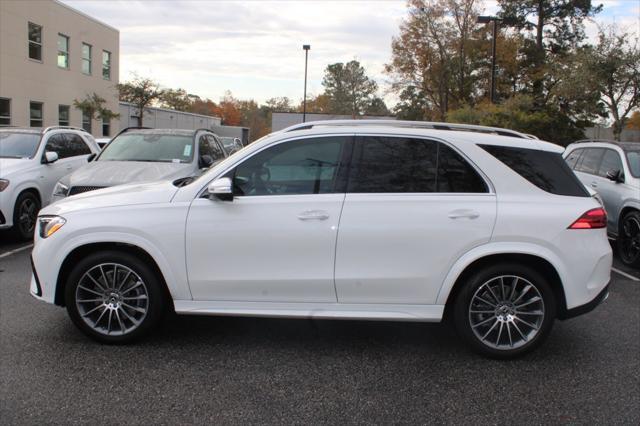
[187, 150]
[175, 160]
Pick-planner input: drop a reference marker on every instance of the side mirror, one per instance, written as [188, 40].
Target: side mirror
[205, 161]
[221, 188]
[91, 157]
[50, 157]
[615, 175]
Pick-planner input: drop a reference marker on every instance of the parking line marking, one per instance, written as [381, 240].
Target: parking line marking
[624, 274]
[18, 250]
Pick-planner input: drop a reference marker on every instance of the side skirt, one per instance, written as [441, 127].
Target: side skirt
[396, 312]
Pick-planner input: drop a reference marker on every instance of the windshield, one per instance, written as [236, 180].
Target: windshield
[633, 157]
[18, 145]
[161, 148]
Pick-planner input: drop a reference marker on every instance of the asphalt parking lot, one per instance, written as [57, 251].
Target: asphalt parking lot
[198, 370]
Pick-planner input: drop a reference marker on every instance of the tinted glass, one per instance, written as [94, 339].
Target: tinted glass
[151, 147]
[216, 150]
[590, 161]
[18, 145]
[76, 146]
[455, 174]
[573, 157]
[307, 166]
[610, 162]
[58, 144]
[632, 152]
[546, 170]
[384, 164]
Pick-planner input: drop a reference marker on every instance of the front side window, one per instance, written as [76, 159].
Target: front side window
[572, 158]
[633, 160]
[209, 146]
[86, 121]
[149, 147]
[75, 145]
[86, 58]
[58, 144]
[18, 145]
[301, 167]
[611, 162]
[63, 51]
[106, 65]
[35, 41]
[5, 112]
[35, 114]
[590, 161]
[63, 115]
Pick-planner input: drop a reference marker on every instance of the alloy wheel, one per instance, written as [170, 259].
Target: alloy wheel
[112, 299]
[506, 312]
[27, 215]
[630, 239]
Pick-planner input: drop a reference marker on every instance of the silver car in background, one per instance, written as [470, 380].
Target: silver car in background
[230, 144]
[613, 170]
[145, 155]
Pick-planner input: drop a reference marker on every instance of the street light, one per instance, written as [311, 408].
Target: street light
[306, 48]
[495, 20]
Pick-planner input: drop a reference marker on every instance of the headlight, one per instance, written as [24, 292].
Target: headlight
[60, 190]
[3, 184]
[49, 225]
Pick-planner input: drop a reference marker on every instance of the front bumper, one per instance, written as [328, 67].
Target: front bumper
[587, 307]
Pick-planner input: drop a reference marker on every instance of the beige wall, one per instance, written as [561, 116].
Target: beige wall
[24, 80]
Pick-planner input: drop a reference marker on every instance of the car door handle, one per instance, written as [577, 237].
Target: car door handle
[314, 215]
[464, 214]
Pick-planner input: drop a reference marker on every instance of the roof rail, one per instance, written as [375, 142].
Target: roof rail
[596, 140]
[48, 129]
[126, 129]
[412, 125]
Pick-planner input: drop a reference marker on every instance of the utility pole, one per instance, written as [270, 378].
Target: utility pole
[306, 48]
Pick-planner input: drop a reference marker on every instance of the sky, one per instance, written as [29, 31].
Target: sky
[254, 48]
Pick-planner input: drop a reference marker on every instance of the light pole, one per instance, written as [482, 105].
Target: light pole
[306, 48]
[495, 20]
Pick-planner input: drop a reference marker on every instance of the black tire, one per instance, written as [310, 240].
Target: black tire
[628, 240]
[25, 216]
[503, 315]
[152, 287]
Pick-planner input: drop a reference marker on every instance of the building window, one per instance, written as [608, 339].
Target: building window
[35, 41]
[106, 65]
[86, 121]
[106, 126]
[5, 112]
[35, 114]
[63, 115]
[63, 51]
[86, 58]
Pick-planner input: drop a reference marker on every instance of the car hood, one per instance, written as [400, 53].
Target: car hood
[117, 196]
[12, 165]
[111, 173]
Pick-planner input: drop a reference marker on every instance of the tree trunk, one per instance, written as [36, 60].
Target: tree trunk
[540, 54]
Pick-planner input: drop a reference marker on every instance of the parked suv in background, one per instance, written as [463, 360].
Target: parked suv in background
[231, 144]
[32, 160]
[613, 170]
[352, 220]
[143, 155]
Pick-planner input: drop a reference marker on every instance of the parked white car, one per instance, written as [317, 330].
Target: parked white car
[32, 160]
[351, 221]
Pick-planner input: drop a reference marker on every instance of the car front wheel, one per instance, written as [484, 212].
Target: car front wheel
[25, 215]
[114, 297]
[505, 311]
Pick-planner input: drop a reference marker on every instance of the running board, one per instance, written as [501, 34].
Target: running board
[395, 312]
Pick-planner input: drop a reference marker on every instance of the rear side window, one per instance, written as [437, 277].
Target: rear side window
[590, 161]
[455, 174]
[546, 170]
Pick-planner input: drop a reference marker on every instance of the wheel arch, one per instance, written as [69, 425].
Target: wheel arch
[86, 249]
[624, 211]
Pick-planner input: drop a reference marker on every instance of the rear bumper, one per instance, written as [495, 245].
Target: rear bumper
[587, 307]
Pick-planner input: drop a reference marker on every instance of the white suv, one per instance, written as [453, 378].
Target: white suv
[32, 160]
[350, 220]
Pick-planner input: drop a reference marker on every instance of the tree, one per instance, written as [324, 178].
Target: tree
[348, 88]
[611, 69]
[376, 106]
[320, 104]
[94, 106]
[228, 110]
[141, 92]
[282, 104]
[177, 99]
[204, 107]
[633, 123]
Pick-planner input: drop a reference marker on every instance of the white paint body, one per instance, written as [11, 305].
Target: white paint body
[367, 256]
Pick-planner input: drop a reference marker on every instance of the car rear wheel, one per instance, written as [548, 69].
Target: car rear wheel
[114, 297]
[505, 311]
[629, 239]
[25, 215]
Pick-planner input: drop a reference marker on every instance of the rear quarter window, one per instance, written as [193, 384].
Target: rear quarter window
[546, 170]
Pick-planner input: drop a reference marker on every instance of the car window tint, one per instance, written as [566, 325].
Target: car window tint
[307, 166]
[76, 146]
[590, 160]
[393, 164]
[610, 162]
[58, 144]
[455, 174]
[573, 157]
[216, 150]
[546, 170]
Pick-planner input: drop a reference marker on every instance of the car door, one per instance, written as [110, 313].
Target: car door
[611, 192]
[587, 167]
[275, 242]
[53, 172]
[413, 207]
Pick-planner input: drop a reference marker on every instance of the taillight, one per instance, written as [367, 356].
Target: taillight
[593, 219]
